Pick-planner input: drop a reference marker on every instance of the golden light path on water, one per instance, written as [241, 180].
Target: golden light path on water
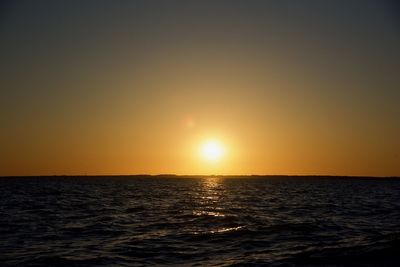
[211, 203]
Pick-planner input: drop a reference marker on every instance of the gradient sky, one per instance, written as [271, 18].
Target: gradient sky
[129, 87]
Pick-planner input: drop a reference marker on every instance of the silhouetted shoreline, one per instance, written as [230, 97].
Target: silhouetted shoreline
[167, 176]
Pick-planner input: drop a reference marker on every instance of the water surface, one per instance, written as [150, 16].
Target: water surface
[208, 221]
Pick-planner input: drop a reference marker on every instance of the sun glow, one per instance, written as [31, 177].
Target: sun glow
[212, 150]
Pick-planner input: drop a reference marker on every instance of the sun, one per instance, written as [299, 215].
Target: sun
[212, 150]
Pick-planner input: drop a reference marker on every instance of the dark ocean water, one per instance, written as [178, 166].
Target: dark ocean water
[141, 221]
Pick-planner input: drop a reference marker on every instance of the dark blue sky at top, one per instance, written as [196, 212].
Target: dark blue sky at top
[58, 32]
[62, 40]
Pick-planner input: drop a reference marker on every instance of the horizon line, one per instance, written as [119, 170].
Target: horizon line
[201, 175]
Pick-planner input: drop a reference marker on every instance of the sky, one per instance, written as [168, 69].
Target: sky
[139, 87]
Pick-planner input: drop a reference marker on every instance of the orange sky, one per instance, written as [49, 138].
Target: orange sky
[134, 89]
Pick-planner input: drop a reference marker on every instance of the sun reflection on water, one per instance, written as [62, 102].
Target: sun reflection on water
[211, 211]
[208, 213]
[212, 182]
[227, 229]
[212, 191]
[210, 194]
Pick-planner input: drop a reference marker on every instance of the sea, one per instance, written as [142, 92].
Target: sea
[170, 220]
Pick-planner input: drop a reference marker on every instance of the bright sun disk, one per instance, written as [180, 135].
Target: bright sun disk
[212, 150]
